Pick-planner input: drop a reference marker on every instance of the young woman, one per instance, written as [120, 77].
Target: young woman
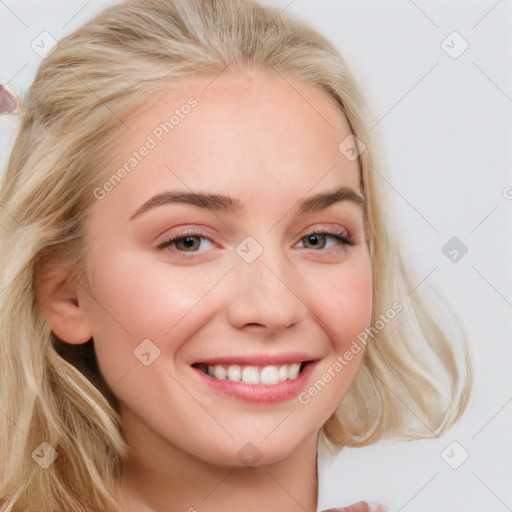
[201, 286]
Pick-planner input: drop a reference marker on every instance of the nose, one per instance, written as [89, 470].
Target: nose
[265, 295]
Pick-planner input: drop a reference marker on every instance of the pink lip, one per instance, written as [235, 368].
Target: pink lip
[259, 393]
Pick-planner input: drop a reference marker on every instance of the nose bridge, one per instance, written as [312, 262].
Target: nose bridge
[265, 291]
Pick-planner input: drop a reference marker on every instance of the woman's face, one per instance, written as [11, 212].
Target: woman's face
[207, 255]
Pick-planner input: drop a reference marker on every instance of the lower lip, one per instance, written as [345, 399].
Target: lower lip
[260, 393]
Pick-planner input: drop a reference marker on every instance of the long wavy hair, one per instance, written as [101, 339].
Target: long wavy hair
[415, 377]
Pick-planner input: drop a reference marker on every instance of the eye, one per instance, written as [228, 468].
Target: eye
[187, 242]
[319, 239]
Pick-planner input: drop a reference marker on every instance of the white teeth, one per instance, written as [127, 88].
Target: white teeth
[267, 375]
[250, 375]
[293, 371]
[234, 373]
[220, 372]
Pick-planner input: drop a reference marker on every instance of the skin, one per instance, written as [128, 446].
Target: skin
[255, 138]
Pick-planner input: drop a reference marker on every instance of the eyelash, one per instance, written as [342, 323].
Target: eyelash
[339, 236]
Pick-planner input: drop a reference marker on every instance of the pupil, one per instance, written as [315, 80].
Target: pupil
[314, 240]
[189, 241]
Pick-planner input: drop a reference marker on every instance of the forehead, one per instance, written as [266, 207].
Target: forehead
[239, 133]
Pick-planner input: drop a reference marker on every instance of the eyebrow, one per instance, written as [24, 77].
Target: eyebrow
[226, 204]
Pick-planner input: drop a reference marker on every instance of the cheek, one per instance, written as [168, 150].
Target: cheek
[347, 303]
[343, 308]
[130, 303]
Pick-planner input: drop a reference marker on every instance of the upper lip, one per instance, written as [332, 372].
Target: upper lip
[257, 360]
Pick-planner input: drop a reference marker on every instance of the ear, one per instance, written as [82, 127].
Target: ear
[57, 295]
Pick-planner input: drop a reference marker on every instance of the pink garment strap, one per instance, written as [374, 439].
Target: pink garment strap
[360, 506]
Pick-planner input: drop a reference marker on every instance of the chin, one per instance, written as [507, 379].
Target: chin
[261, 451]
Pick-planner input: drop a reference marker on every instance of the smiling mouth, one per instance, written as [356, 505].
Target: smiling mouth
[255, 375]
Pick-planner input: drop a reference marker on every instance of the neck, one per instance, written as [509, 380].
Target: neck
[171, 480]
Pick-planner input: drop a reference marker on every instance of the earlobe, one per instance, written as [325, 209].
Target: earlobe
[57, 295]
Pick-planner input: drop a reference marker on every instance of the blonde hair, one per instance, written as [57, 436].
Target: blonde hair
[415, 376]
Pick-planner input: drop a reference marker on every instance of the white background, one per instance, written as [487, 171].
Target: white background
[446, 126]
